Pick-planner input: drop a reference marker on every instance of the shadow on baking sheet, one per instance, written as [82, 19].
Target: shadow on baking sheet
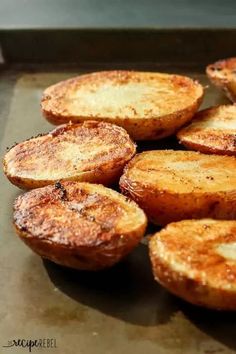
[128, 292]
[221, 325]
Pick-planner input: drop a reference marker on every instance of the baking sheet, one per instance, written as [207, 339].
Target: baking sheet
[119, 310]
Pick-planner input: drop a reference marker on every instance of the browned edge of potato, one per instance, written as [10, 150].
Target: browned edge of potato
[88, 152]
[195, 260]
[175, 185]
[223, 75]
[212, 130]
[79, 225]
[148, 105]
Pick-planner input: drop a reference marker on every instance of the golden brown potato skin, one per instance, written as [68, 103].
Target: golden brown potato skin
[223, 75]
[192, 259]
[79, 225]
[175, 185]
[87, 152]
[148, 105]
[212, 130]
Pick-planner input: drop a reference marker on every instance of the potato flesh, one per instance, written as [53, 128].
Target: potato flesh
[184, 172]
[86, 151]
[177, 185]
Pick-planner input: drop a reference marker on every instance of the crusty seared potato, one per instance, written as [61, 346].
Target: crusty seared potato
[148, 105]
[79, 225]
[90, 151]
[196, 260]
[212, 130]
[175, 185]
[223, 75]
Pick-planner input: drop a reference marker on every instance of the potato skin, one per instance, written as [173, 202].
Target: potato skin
[87, 152]
[192, 269]
[192, 200]
[222, 75]
[79, 225]
[212, 130]
[140, 122]
[206, 149]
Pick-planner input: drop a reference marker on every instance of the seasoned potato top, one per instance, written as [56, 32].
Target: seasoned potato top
[215, 118]
[181, 172]
[123, 94]
[76, 214]
[214, 127]
[70, 150]
[201, 249]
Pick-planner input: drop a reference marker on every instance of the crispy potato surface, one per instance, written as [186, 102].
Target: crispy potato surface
[196, 260]
[176, 185]
[223, 75]
[212, 130]
[148, 105]
[87, 152]
[79, 225]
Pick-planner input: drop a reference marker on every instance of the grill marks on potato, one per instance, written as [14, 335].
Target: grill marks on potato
[148, 105]
[58, 210]
[200, 252]
[90, 151]
[80, 225]
[175, 185]
[212, 131]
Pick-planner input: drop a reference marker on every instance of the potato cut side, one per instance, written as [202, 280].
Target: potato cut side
[148, 105]
[79, 225]
[212, 130]
[175, 185]
[90, 151]
[223, 75]
[196, 260]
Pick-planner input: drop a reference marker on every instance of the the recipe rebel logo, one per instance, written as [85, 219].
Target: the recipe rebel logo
[30, 344]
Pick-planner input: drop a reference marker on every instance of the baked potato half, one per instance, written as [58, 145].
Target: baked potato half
[196, 260]
[148, 105]
[87, 152]
[223, 75]
[79, 225]
[176, 185]
[212, 130]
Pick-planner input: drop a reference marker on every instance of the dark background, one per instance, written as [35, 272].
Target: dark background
[116, 14]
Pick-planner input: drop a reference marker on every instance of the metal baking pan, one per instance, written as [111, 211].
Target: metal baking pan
[122, 309]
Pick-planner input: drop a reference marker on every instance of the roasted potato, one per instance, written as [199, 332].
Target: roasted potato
[148, 105]
[90, 151]
[223, 75]
[212, 130]
[79, 225]
[196, 260]
[176, 185]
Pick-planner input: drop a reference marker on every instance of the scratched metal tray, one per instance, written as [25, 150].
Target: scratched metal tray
[120, 310]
